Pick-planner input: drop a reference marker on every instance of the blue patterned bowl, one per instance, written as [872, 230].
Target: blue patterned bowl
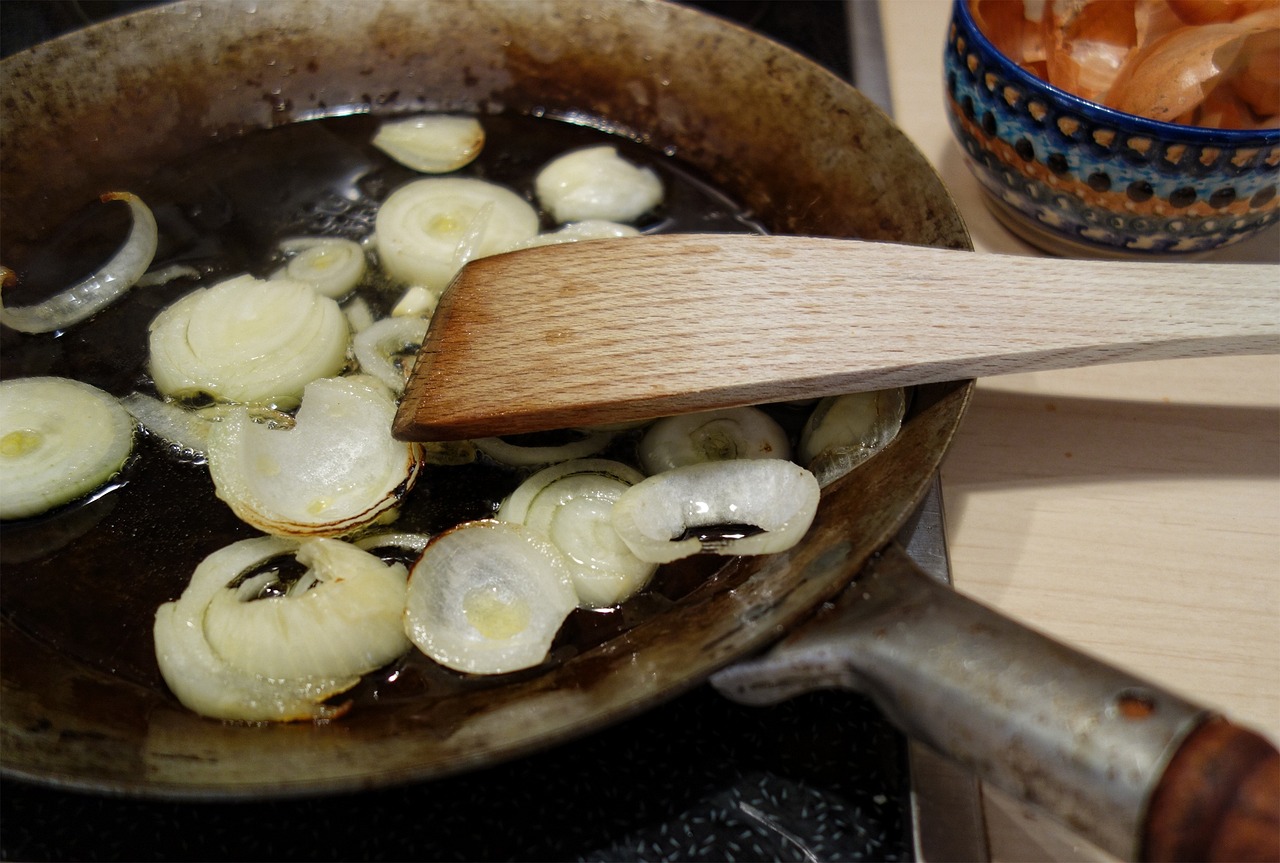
[1074, 177]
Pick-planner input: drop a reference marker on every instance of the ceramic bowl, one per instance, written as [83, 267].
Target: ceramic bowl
[1074, 177]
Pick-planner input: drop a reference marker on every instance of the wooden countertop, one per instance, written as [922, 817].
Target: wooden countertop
[1132, 511]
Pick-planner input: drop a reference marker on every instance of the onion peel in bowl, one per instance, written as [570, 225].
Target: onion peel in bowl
[1208, 63]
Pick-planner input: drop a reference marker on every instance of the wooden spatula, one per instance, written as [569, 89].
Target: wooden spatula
[609, 331]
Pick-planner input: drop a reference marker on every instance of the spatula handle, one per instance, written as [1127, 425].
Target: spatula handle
[611, 331]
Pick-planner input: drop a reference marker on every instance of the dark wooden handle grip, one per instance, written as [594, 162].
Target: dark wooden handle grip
[1219, 799]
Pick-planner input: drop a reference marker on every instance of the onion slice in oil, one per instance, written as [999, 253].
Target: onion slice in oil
[571, 503]
[102, 287]
[488, 597]
[844, 431]
[59, 440]
[432, 143]
[428, 229]
[247, 340]
[336, 470]
[578, 232]
[777, 497]
[184, 431]
[745, 432]
[279, 658]
[597, 183]
[332, 266]
[387, 348]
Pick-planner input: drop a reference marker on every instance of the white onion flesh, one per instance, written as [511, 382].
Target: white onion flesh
[248, 341]
[332, 266]
[416, 301]
[405, 541]
[336, 470]
[596, 183]
[571, 504]
[778, 497]
[286, 655]
[102, 287]
[185, 431]
[387, 348]
[744, 432]
[844, 431]
[578, 232]
[345, 625]
[165, 275]
[588, 443]
[428, 229]
[488, 597]
[60, 439]
[359, 315]
[432, 143]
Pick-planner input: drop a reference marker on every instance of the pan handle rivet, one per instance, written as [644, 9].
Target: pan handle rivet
[1135, 704]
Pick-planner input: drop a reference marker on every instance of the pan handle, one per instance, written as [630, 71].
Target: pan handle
[1138, 771]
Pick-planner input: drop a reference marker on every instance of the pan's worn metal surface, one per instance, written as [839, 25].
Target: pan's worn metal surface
[804, 151]
[1060, 730]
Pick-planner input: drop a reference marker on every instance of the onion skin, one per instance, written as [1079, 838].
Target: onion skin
[102, 287]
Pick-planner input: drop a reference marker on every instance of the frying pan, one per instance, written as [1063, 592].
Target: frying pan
[98, 109]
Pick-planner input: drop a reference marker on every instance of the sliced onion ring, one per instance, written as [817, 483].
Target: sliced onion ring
[247, 340]
[384, 348]
[426, 230]
[213, 685]
[571, 504]
[337, 470]
[432, 143]
[101, 288]
[344, 623]
[731, 433]
[844, 431]
[185, 431]
[579, 232]
[596, 183]
[778, 497]
[59, 440]
[488, 597]
[332, 266]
